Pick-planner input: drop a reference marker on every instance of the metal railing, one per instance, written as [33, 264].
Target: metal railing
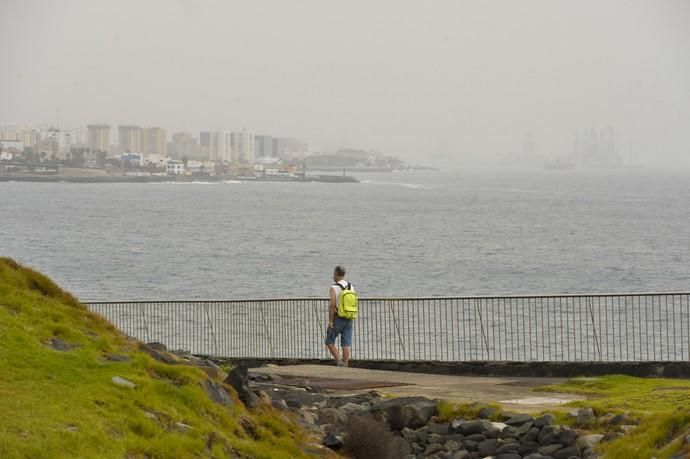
[556, 328]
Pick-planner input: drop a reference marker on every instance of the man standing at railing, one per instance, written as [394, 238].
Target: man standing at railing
[338, 325]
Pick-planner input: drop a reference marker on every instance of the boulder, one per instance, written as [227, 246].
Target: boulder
[451, 446]
[544, 420]
[122, 382]
[116, 358]
[216, 392]
[474, 426]
[568, 437]
[508, 448]
[509, 456]
[279, 404]
[409, 435]
[531, 435]
[488, 447]
[239, 380]
[332, 441]
[566, 453]
[519, 419]
[60, 345]
[412, 412]
[159, 352]
[462, 454]
[422, 435]
[476, 437]
[585, 417]
[612, 437]
[589, 441]
[433, 448]
[470, 445]
[332, 416]
[550, 450]
[549, 435]
[441, 428]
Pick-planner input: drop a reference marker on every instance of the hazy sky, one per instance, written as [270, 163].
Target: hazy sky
[405, 77]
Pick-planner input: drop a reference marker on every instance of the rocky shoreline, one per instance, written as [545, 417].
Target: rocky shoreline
[367, 425]
[410, 428]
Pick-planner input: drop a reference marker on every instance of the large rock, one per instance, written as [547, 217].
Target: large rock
[61, 345]
[239, 380]
[589, 441]
[566, 453]
[441, 428]
[412, 412]
[332, 441]
[544, 420]
[122, 382]
[333, 416]
[585, 417]
[568, 437]
[473, 427]
[549, 435]
[488, 447]
[159, 352]
[216, 392]
[519, 419]
[550, 450]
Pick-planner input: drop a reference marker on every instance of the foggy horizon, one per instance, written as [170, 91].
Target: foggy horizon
[442, 81]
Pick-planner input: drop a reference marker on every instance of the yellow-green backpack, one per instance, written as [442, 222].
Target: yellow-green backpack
[347, 303]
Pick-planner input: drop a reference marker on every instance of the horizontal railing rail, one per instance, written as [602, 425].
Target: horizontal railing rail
[626, 327]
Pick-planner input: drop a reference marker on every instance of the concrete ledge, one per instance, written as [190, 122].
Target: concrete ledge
[509, 369]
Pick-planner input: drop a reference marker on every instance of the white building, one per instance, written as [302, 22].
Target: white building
[17, 145]
[221, 146]
[174, 167]
[243, 146]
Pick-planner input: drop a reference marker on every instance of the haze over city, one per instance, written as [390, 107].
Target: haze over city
[429, 81]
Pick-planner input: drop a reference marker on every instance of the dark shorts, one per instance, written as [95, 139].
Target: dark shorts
[342, 327]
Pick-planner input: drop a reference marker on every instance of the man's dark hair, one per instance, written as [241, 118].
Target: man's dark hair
[339, 271]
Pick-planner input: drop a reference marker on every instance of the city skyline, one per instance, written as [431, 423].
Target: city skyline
[456, 81]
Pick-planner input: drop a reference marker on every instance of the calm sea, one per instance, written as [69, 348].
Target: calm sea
[482, 231]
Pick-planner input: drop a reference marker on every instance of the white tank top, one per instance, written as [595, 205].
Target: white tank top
[339, 290]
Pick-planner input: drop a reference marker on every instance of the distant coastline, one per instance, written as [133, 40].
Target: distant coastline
[169, 178]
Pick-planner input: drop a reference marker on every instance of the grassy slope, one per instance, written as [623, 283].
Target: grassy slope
[63, 404]
[661, 405]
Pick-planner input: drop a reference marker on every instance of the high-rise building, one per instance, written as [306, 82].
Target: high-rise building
[183, 145]
[221, 146]
[63, 141]
[129, 138]
[263, 146]
[154, 141]
[99, 137]
[243, 146]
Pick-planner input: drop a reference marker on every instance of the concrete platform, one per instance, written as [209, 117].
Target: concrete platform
[514, 394]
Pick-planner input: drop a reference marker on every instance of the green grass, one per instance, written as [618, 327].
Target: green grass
[662, 407]
[63, 404]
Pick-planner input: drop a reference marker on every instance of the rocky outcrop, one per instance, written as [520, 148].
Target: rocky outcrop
[409, 426]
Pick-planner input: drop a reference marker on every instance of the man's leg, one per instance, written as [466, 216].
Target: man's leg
[334, 352]
[346, 342]
[346, 355]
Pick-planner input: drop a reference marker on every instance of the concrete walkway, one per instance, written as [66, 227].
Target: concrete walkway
[514, 394]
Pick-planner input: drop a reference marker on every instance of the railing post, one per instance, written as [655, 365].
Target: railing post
[210, 326]
[481, 323]
[397, 328]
